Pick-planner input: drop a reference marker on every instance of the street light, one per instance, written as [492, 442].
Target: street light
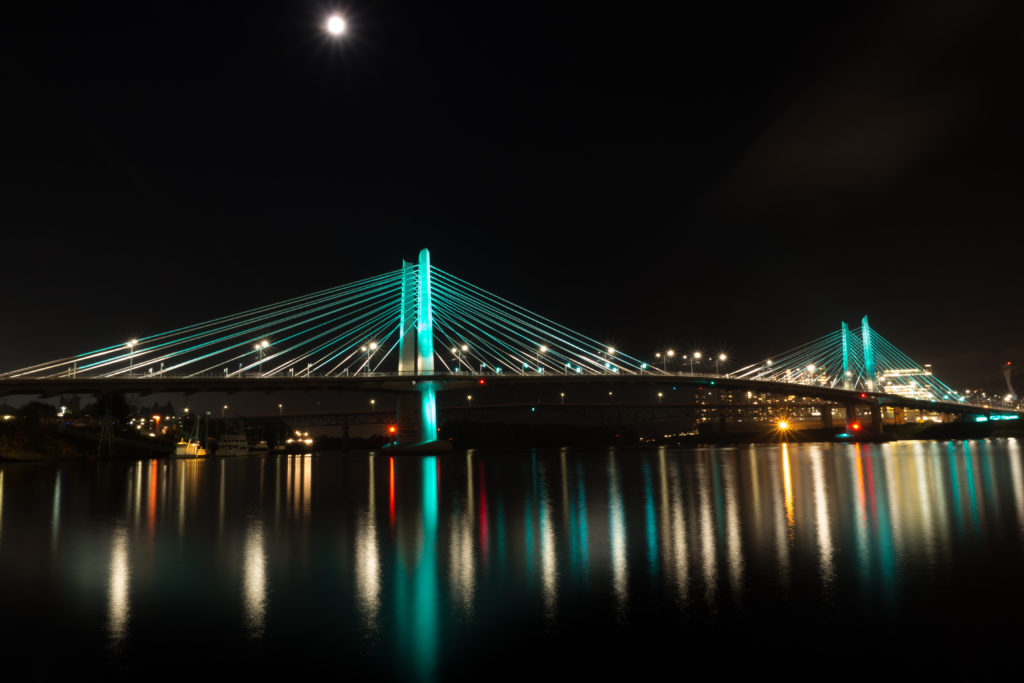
[373, 402]
[660, 394]
[563, 398]
[368, 349]
[459, 359]
[721, 359]
[694, 356]
[469, 401]
[222, 411]
[259, 346]
[131, 353]
[280, 409]
[608, 354]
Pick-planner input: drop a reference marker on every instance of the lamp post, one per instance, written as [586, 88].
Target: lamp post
[368, 349]
[469, 400]
[695, 356]
[223, 410]
[131, 354]
[610, 352]
[720, 359]
[373, 402]
[660, 394]
[563, 398]
[259, 346]
[280, 409]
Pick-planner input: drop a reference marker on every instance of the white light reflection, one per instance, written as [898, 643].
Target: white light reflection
[368, 559]
[461, 568]
[937, 487]
[181, 499]
[861, 524]
[548, 561]
[922, 465]
[672, 506]
[617, 533]
[254, 579]
[733, 539]
[118, 588]
[822, 520]
[300, 483]
[709, 562]
[221, 498]
[1016, 474]
[55, 519]
[895, 492]
[781, 508]
[136, 498]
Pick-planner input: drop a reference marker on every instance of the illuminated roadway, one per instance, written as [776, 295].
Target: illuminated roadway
[395, 383]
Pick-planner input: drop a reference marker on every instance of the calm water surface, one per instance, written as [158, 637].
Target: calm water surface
[799, 560]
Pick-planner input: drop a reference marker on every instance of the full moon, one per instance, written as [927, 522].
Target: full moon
[335, 25]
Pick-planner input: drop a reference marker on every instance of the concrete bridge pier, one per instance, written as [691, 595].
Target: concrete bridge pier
[899, 415]
[826, 416]
[876, 418]
[851, 415]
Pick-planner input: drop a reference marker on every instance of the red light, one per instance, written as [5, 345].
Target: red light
[863, 395]
[855, 426]
[392, 429]
[481, 380]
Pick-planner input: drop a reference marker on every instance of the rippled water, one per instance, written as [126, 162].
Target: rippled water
[800, 560]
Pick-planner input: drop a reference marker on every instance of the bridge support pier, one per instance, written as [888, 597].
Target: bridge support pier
[826, 416]
[851, 415]
[899, 415]
[876, 418]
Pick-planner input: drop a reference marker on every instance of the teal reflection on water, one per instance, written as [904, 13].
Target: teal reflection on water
[481, 555]
[651, 524]
[417, 583]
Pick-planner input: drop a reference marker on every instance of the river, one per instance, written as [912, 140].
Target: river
[801, 560]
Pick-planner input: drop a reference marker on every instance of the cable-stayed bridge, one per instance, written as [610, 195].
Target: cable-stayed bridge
[419, 329]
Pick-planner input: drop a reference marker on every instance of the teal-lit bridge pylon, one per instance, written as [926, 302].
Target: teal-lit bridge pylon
[418, 329]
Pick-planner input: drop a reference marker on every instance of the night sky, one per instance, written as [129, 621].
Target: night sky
[728, 180]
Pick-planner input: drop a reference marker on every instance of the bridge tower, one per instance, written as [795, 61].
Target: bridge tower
[417, 412]
[869, 355]
[847, 380]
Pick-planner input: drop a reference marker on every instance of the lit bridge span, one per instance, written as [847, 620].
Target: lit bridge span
[419, 330]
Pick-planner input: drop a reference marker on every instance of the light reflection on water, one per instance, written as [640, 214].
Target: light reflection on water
[412, 567]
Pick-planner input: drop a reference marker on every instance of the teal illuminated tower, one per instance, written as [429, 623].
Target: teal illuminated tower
[847, 383]
[417, 413]
[869, 355]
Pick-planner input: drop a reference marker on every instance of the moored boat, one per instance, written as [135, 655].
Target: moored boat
[232, 444]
